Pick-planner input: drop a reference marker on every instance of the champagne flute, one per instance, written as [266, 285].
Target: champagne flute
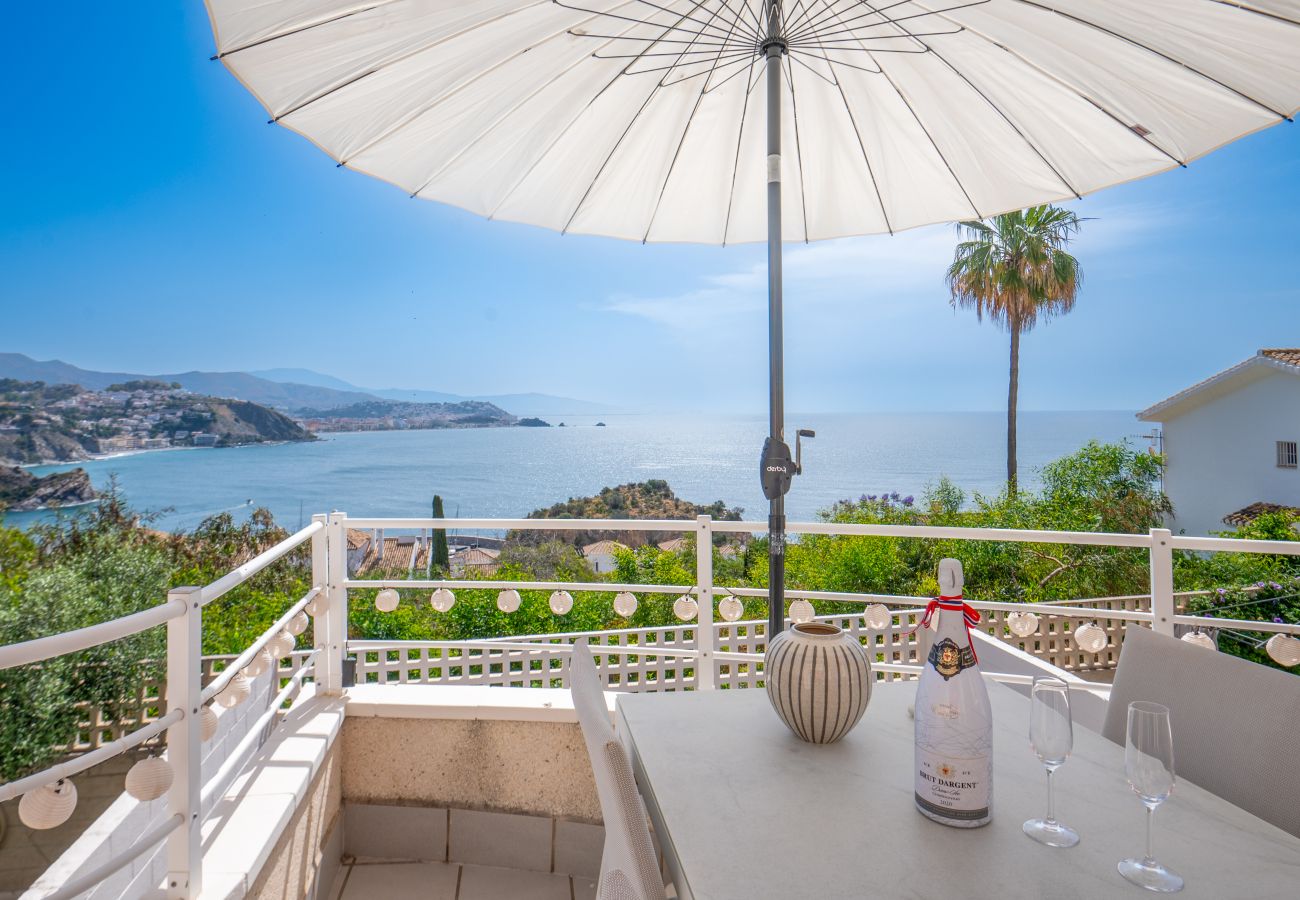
[1051, 734]
[1149, 765]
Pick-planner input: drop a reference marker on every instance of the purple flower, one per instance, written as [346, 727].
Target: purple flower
[1277, 620]
[1275, 586]
[1222, 591]
[909, 500]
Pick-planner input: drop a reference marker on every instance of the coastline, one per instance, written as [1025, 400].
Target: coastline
[100, 457]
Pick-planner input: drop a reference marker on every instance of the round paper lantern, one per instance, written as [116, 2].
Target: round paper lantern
[561, 602]
[1200, 639]
[49, 806]
[1284, 650]
[387, 600]
[281, 645]
[877, 616]
[442, 600]
[208, 722]
[1090, 638]
[801, 611]
[260, 663]
[686, 608]
[508, 600]
[316, 605]
[236, 692]
[730, 608]
[625, 603]
[1022, 624]
[298, 624]
[149, 779]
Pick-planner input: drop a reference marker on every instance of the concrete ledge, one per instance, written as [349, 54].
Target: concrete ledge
[476, 702]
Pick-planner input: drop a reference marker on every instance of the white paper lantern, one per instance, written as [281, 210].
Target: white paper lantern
[877, 616]
[1284, 650]
[387, 600]
[1090, 638]
[1200, 639]
[260, 663]
[686, 607]
[442, 600]
[281, 645]
[49, 806]
[208, 722]
[508, 600]
[625, 603]
[149, 779]
[801, 611]
[317, 605]
[1022, 624]
[236, 692]
[298, 624]
[730, 608]
[561, 602]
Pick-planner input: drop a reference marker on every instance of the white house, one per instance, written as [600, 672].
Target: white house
[600, 556]
[1230, 441]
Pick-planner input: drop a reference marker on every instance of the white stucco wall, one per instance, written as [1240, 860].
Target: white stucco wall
[1221, 454]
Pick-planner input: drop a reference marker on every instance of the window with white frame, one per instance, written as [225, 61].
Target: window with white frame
[1287, 456]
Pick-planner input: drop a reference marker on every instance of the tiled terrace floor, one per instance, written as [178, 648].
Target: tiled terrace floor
[454, 881]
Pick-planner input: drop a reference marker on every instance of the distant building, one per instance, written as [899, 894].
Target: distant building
[358, 546]
[474, 559]
[600, 555]
[200, 439]
[1230, 442]
[676, 545]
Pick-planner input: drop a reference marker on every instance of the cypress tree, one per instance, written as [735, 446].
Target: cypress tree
[441, 558]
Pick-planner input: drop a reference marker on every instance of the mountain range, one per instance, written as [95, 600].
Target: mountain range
[287, 389]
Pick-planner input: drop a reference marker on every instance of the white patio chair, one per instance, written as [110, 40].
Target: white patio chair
[1234, 721]
[629, 869]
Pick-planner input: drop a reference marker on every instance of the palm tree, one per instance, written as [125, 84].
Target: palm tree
[1014, 269]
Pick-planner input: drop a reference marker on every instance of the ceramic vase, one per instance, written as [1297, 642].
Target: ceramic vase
[818, 678]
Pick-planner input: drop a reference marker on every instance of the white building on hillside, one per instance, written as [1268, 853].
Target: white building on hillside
[1230, 441]
[600, 556]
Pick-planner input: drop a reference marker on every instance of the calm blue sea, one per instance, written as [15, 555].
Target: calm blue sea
[511, 471]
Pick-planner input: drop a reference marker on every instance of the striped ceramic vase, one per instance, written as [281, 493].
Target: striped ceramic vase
[819, 681]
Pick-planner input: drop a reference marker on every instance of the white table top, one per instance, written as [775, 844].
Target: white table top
[746, 810]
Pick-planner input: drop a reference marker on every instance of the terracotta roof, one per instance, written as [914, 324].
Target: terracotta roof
[1278, 359]
[1248, 514]
[673, 546]
[1288, 355]
[603, 547]
[358, 538]
[476, 556]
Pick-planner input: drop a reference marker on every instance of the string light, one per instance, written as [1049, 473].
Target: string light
[442, 600]
[236, 692]
[259, 664]
[149, 779]
[730, 608]
[387, 600]
[298, 624]
[281, 645]
[1022, 624]
[49, 806]
[686, 607]
[625, 604]
[1284, 650]
[317, 605]
[1199, 638]
[208, 722]
[801, 611]
[508, 600]
[561, 602]
[877, 616]
[1090, 638]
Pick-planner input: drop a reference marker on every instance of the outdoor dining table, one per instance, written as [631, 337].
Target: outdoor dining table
[744, 810]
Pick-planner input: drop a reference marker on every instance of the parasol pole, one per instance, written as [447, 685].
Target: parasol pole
[776, 463]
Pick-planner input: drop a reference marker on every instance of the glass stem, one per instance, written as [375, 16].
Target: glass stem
[1051, 806]
[1151, 814]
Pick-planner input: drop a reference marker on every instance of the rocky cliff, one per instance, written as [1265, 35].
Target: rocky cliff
[21, 490]
[241, 422]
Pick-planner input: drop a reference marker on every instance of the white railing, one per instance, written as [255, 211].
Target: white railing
[702, 654]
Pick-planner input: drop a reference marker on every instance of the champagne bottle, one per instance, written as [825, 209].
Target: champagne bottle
[954, 723]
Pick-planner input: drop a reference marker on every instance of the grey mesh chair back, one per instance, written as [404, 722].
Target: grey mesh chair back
[629, 868]
[1234, 721]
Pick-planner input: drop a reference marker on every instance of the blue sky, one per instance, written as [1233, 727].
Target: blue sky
[153, 222]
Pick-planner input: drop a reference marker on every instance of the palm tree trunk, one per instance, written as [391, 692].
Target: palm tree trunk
[1013, 391]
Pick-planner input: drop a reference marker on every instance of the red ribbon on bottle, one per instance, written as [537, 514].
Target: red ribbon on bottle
[970, 615]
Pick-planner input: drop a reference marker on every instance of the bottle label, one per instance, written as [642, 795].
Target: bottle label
[952, 788]
[949, 659]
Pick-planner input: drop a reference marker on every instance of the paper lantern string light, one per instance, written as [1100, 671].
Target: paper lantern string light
[877, 616]
[730, 608]
[208, 723]
[236, 692]
[387, 600]
[1090, 638]
[48, 806]
[281, 645]
[625, 604]
[149, 779]
[1199, 638]
[508, 600]
[260, 663]
[801, 611]
[686, 607]
[1022, 624]
[317, 605]
[561, 602]
[298, 624]
[442, 600]
[1284, 650]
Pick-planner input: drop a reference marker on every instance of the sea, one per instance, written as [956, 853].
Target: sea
[508, 472]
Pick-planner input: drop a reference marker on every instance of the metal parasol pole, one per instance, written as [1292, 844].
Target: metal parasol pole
[772, 456]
